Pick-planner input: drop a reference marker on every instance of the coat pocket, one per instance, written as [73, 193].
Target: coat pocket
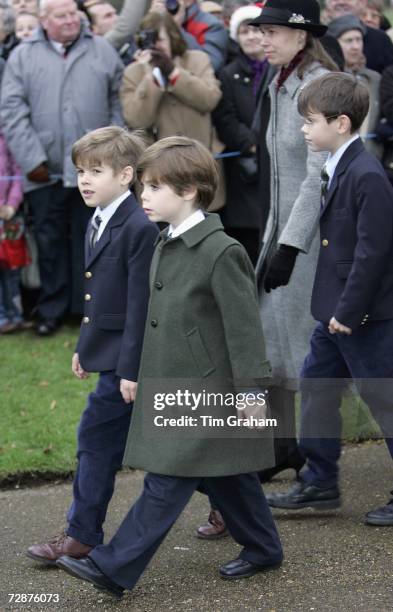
[199, 352]
[111, 321]
[343, 269]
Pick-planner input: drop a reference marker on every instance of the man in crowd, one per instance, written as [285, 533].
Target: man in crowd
[43, 113]
[25, 6]
[378, 47]
[103, 17]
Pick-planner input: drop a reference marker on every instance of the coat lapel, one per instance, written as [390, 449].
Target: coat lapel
[353, 150]
[125, 209]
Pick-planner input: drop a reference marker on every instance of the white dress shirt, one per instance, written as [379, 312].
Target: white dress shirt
[58, 46]
[187, 224]
[332, 160]
[106, 213]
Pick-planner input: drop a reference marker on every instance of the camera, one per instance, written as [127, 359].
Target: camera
[172, 6]
[147, 39]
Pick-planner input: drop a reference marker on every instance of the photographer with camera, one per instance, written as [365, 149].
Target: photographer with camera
[169, 90]
[201, 31]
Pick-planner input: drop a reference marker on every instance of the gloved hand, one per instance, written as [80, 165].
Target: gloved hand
[281, 267]
[162, 61]
[39, 174]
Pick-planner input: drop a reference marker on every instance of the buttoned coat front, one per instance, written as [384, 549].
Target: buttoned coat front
[203, 327]
[294, 211]
[117, 292]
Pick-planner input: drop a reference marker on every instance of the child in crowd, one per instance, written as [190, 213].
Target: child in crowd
[118, 249]
[25, 24]
[11, 197]
[352, 296]
[201, 283]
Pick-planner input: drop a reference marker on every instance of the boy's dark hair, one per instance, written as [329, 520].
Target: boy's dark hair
[113, 146]
[181, 163]
[336, 94]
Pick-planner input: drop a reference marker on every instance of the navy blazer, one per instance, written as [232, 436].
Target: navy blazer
[117, 292]
[354, 276]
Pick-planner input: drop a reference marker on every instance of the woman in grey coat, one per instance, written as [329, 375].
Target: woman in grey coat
[289, 255]
[291, 239]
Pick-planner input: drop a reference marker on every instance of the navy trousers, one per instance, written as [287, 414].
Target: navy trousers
[240, 500]
[366, 356]
[102, 436]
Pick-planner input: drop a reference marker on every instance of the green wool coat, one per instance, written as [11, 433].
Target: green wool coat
[203, 331]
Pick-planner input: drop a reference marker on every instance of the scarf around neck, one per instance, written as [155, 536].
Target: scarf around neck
[258, 68]
[286, 71]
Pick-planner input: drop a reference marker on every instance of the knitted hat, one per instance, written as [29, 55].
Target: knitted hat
[242, 14]
[343, 24]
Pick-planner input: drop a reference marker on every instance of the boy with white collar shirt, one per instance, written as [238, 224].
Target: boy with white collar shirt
[352, 296]
[118, 250]
[203, 332]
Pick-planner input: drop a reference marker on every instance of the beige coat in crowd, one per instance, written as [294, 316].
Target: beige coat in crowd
[183, 109]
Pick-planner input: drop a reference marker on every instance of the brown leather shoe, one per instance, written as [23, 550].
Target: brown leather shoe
[215, 527]
[62, 544]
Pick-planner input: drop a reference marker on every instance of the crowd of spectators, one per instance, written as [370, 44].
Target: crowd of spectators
[178, 67]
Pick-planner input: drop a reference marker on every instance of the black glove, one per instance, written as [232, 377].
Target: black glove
[162, 61]
[281, 267]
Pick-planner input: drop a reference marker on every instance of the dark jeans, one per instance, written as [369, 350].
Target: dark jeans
[10, 300]
[240, 499]
[102, 436]
[60, 219]
[365, 356]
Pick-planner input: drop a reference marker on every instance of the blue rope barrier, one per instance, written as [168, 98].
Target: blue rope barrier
[59, 177]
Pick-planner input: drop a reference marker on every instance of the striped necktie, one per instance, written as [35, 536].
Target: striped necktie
[324, 183]
[95, 224]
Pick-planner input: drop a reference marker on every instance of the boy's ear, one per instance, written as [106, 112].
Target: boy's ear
[190, 193]
[344, 124]
[126, 175]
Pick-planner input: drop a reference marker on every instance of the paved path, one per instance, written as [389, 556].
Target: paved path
[333, 561]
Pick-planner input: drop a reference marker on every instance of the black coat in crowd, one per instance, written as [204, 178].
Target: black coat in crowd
[233, 119]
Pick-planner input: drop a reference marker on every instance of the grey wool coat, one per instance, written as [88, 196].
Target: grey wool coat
[48, 102]
[203, 327]
[295, 206]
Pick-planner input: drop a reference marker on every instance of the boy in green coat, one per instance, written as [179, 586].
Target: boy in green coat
[203, 334]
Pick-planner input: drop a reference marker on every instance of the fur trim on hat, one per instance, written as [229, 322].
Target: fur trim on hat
[242, 14]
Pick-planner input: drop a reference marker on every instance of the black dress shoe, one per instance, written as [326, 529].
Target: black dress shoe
[47, 327]
[303, 495]
[86, 569]
[381, 516]
[240, 568]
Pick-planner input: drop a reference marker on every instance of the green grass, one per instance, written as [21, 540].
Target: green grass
[41, 402]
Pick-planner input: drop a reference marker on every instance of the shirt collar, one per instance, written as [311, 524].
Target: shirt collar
[58, 46]
[106, 213]
[187, 224]
[333, 160]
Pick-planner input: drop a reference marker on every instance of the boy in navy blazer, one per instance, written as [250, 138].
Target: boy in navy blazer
[118, 250]
[352, 297]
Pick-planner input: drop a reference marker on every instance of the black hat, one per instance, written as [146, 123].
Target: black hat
[299, 14]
